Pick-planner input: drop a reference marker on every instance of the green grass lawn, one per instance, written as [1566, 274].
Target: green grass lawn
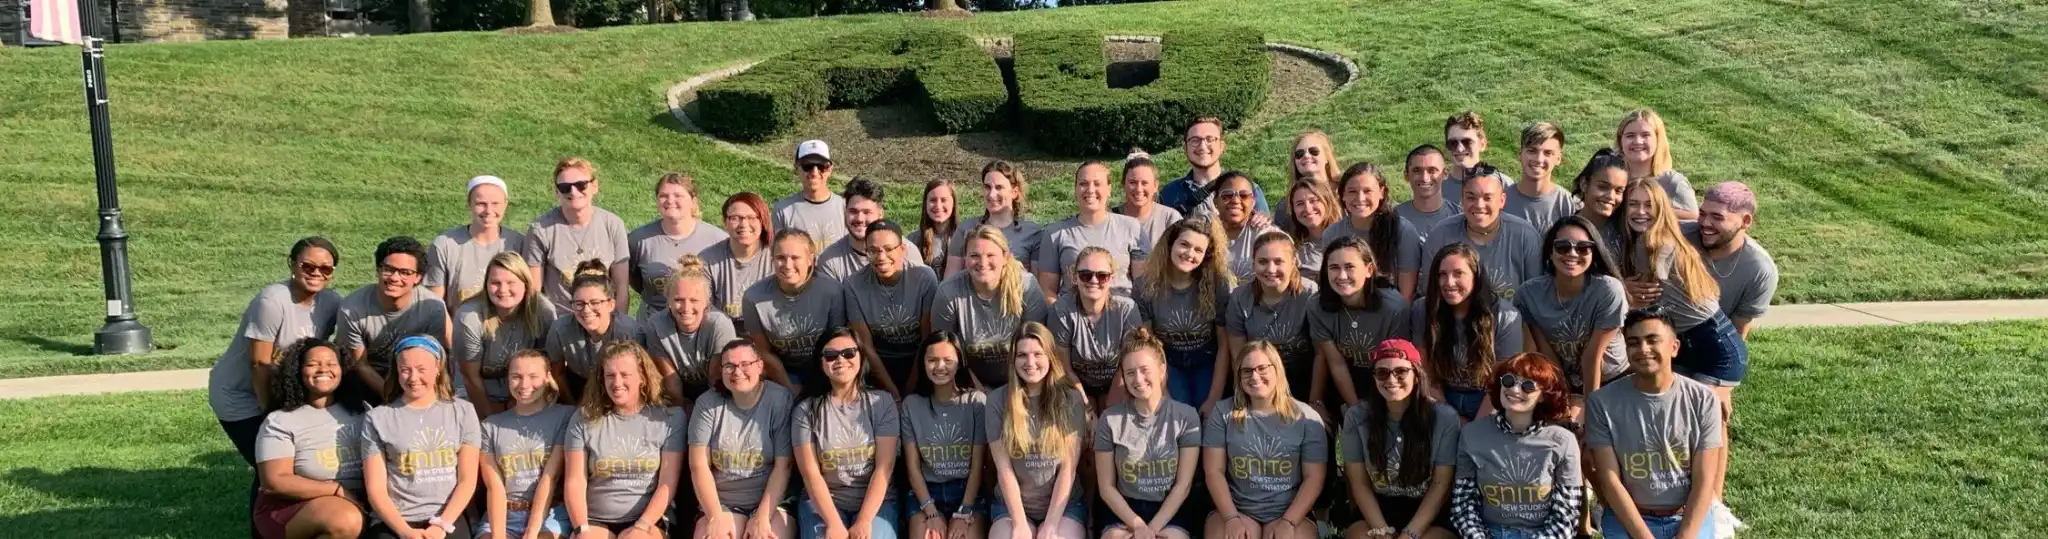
[1897, 161]
[1866, 433]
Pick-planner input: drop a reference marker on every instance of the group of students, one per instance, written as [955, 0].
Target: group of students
[497, 384]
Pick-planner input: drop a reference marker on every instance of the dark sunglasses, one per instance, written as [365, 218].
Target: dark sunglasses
[316, 269]
[1306, 152]
[1234, 193]
[1389, 374]
[1565, 247]
[839, 354]
[1509, 380]
[566, 187]
[1460, 142]
[1092, 276]
[814, 167]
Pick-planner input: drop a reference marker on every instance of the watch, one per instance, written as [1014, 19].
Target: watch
[445, 526]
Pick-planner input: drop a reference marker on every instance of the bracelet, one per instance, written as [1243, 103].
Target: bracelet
[1410, 533]
[1382, 531]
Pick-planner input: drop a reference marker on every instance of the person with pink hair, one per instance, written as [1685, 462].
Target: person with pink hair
[1745, 271]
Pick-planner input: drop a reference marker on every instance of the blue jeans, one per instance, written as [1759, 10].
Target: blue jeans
[1504, 532]
[1465, 401]
[1660, 527]
[557, 522]
[810, 526]
[1713, 353]
[1190, 386]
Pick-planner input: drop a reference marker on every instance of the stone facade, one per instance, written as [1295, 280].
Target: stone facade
[194, 20]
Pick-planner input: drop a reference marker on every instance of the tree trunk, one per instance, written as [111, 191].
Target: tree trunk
[743, 11]
[946, 5]
[540, 13]
[421, 16]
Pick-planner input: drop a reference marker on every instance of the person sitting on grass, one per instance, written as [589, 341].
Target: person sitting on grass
[740, 451]
[1463, 330]
[420, 449]
[306, 451]
[522, 456]
[1656, 443]
[845, 435]
[1184, 292]
[1518, 474]
[1400, 448]
[1352, 317]
[623, 452]
[944, 445]
[1265, 454]
[1034, 434]
[1147, 450]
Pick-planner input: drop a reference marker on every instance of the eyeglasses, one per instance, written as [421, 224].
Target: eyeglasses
[1566, 247]
[842, 354]
[1234, 193]
[1389, 374]
[814, 167]
[1460, 142]
[566, 187]
[388, 271]
[1509, 381]
[1092, 276]
[740, 366]
[591, 304]
[1310, 151]
[1204, 140]
[316, 269]
[1246, 372]
[876, 249]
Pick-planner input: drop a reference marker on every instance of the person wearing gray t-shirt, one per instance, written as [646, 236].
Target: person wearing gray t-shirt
[786, 315]
[1654, 436]
[279, 314]
[1511, 253]
[740, 440]
[1576, 330]
[1399, 259]
[1745, 271]
[1035, 470]
[1091, 322]
[970, 305]
[1147, 448]
[1261, 461]
[946, 432]
[1261, 312]
[568, 235]
[656, 247]
[1455, 368]
[822, 217]
[690, 344]
[306, 450]
[944, 444]
[1023, 236]
[574, 341]
[415, 449]
[375, 317]
[486, 335]
[1542, 209]
[1434, 198]
[457, 258]
[732, 274]
[1350, 319]
[888, 305]
[1516, 479]
[847, 449]
[619, 459]
[1424, 221]
[522, 447]
[1535, 197]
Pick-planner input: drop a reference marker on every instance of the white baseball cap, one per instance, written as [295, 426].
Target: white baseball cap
[814, 147]
[487, 180]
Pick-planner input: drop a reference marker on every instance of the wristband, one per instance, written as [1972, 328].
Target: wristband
[1382, 531]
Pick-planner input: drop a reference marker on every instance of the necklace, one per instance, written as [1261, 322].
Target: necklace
[1714, 266]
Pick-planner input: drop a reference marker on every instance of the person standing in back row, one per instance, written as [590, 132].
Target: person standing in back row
[576, 231]
[1465, 138]
[457, 259]
[813, 209]
[1189, 194]
[658, 247]
[1432, 202]
[1647, 147]
[1535, 196]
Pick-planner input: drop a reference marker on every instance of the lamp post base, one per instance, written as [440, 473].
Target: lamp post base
[121, 338]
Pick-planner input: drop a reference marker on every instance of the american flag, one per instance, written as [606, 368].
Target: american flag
[55, 20]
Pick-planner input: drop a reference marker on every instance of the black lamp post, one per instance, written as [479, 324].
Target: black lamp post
[122, 334]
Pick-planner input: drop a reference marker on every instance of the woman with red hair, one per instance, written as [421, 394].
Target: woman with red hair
[741, 260]
[1518, 474]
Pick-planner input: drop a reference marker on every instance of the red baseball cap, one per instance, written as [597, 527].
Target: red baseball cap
[1397, 349]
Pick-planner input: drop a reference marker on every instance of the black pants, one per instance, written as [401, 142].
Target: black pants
[464, 529]
[243, 434]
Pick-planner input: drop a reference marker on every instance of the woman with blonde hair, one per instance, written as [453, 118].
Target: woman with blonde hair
[1274, 308]
[986, 304]
[787, 315]
[1184, 292]
[1147, 449]
[420, 450]
[1034, 432]
[1092, 322]
[1311, 211]
[656, 247]
[522, 456]
[1646, 147]
[1264, 453]
[1663, 270]
[689, 333]
[1315, 159]
[623, 452]
[1003, 191]
[510, 315]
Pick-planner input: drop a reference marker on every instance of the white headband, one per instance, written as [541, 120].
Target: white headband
[487, 180]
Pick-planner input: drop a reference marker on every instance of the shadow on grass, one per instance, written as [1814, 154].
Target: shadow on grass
[205, 498]
[47, 344]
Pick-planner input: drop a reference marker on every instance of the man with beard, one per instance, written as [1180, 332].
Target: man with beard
[849, 255]
[1189, 194]
[1745, 271]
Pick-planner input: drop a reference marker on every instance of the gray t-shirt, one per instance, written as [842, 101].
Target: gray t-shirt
[793, 324]
[1266, 453]
[1655, 436]
[1242, 261]
[494, 351]
[421, 450]
[1568, 324]
[655, 256]
[985, 331]
[570, 345]
[1023, 235]
[1514, 255]
[824, 220]
[1679, 190]
[622, 457]
[845, 439]
[840, 260]
[1121, 235]
[1357, 331]
[693, 354]
[743, 442]
[894, 314]
[1153, 225]
[364, 325]
[1146, 448]
[322, 443]
[1189, 338]
[557, 247]
[1684, 313]
[1516, 473]
[1541, 210]
[946, 434]
[1748, 278]
[1285, 324]
[1036, 469]
[1095, 342]
[272, 317]
[1426, 221]
[1507, 340]
[1407, 254]
[1352, 442]
[731, 276]
[935, 254]
[457, 260]
[520, 445]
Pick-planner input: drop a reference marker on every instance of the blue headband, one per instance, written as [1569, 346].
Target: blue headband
[420, 341]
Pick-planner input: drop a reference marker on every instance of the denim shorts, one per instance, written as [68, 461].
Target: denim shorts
[1183, 519]
[1466, 401]
[1713, 353]
[1660, 527]
[556, 523]
[946, 498]
[1076, 511]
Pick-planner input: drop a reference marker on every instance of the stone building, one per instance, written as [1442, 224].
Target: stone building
[137, 21]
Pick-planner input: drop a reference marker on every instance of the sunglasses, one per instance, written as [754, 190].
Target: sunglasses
[1234, 193]
[814, 167]
[1389, 374]
[842, 354]
[1092, 276]
[1460, 142]
[1566, 247]
[1311, 151]
[316, 269]
[1509, 381]
[566, 187]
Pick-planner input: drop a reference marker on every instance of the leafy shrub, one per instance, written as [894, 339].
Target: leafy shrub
[946, 69]
[1066, 104]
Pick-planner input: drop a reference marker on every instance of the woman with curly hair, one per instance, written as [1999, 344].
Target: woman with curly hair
[306, 455]
[1184, 292]
[1518, 472]
[623, 452]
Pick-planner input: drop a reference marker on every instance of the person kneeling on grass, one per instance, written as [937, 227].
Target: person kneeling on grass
[420, 449]
[522, 460]
[1656, 443]
[306, 454]
[1265, 453]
